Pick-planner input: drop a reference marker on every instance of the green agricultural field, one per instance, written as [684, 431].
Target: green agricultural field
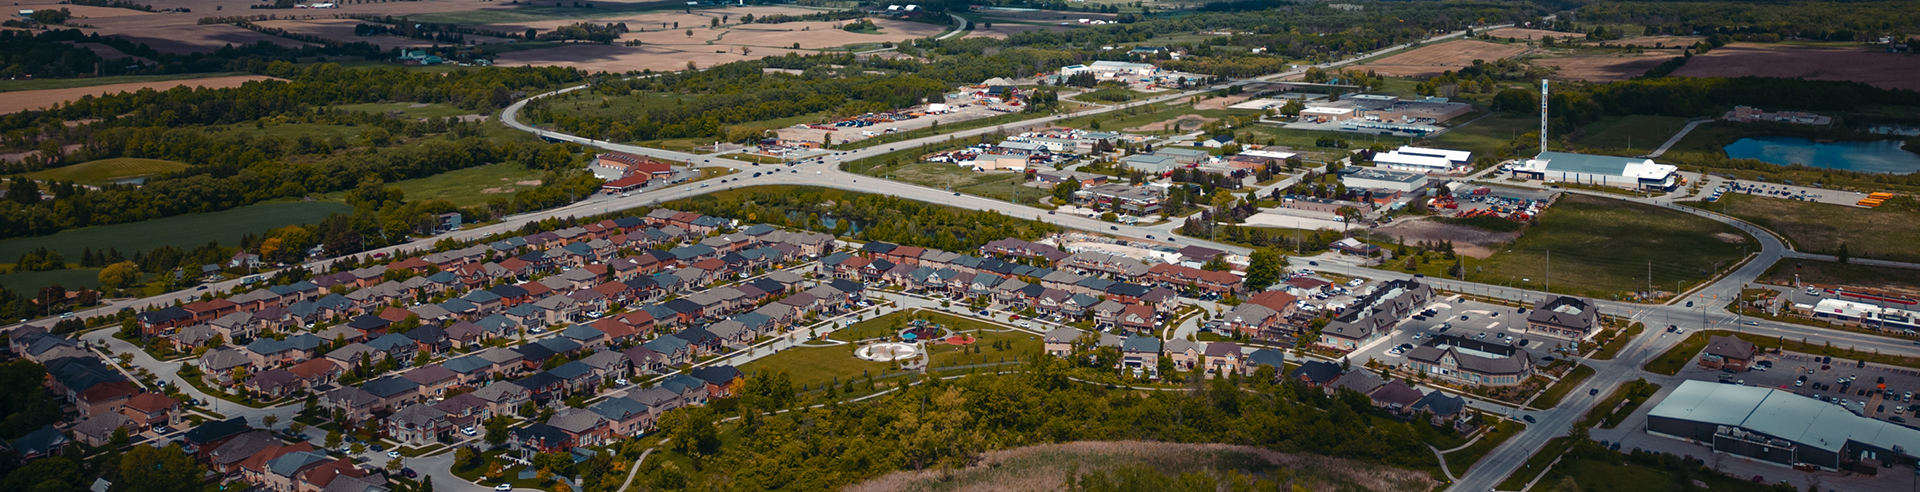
[106, 171]
[41, 84]
[1602, 247]
[26, 283]
[1628, 135]
[185, 232]
[1882, 233]
[410, 110]
[467, 187]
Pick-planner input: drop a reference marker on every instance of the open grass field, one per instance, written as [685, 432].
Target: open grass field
[185, 232]
[1432, 59]
[106, 171]
[999, 185]
[1858, 64]
[1045, 467]
[816, 366]
[1628, 135]
[22, 100]
[1880, 233]
[1852, 275]
[1484, 136]
[45, 84]
[1604, 67]
[27, 283]
[466, 187]
[1602, 247]
[410, 110]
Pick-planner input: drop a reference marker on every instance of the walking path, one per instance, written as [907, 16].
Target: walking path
[1676, 138]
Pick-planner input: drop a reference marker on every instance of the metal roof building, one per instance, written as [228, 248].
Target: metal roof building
[1625, 172]
[1778, 426]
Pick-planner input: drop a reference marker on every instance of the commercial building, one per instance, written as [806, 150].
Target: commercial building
[1377, 179]
[1136, 200]
[1624, 172]
[1152, 164]
[1416, 162]
[1728, 353]
[1471, 361]
[1111, 69]
[1862, 314]
[1375, 315]
[1780, 427]
[1564, 317]
[1184, 156]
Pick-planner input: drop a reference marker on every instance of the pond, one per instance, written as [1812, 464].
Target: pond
[1879, 156]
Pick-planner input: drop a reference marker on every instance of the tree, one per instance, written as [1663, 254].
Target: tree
[1065, 190]
[466, 457]
[270, 419]
[496, 431]
[691, 430]
[119, 275]
[1264, 267]
[333, 439]
[151, 469]
[1515, 101]
[1843, 256]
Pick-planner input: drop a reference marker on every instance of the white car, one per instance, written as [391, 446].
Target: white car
[503, 488]
[393, 454]
[468, 430]
[621, 381]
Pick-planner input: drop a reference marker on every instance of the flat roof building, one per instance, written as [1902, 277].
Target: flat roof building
[1413, 162]
[1778, 426]
[1404, 182]
[1625, 172]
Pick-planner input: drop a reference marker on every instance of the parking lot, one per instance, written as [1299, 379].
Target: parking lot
[1789, 192]
[1469, 319]
[1848, 383]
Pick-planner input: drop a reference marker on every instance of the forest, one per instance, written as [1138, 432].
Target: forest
[945, 424]
[864, 216]
[1760, 21]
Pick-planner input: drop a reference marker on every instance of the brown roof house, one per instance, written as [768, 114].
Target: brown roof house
[1728, 353]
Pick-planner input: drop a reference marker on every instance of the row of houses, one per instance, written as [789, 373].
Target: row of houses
[233, 450]
[1142, 353]
[1395, 396]
[99, 399]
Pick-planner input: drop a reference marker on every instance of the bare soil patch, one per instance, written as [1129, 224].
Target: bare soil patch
[1431, 60]
[182, 33]
[1523, 34]
[1659, 41]
[1049, 467]
[1885, 70]
[1044, 15]
[342, 30]
[17, 101]
[1184, 121]
[1603, 68]
[1220, 102]
[1468, 241]
[616, 58]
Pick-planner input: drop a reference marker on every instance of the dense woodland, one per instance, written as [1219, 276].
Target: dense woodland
[865, 216]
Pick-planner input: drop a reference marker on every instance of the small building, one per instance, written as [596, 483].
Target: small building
[1151, 164]
[1378, 179]
[1217, 141]
[1624, 172]
[1728, 353]
[1564, 317]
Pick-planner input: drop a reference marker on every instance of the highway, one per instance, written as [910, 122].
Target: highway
[1707, 311]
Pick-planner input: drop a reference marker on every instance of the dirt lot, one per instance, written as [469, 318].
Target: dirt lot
[1431, 60]
[13, 102]
[1772, 60]
[1604, 68]
[1468, 241]
[1534, 34]
[1220, 102]
[1520, 34]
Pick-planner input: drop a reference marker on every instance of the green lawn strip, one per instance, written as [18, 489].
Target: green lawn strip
[813, 367]
[420, 451]
[184, 231]
[1785, 271]
[1554, 394]
[1536, 464]
[1633, 393]
[466, 187]
[44, 84]
[1675, 358]
[106, 171]
[1612, 347]
[1460, 461]
[1880, 233]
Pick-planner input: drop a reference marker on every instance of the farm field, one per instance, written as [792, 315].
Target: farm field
[44, 84]
[1604, 68]
[1432, 59]
[107, 171]
[17, 101]
[1879, 233]
[185, 231]
[1879, 69]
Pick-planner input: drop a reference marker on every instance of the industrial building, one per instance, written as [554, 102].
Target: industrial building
[1387, 109]
[1111, 69]
[1424, 160]
[1624, 172]
[1379, 179]
[1780, 427]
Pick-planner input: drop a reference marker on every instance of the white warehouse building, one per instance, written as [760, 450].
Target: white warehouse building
[1624, 172]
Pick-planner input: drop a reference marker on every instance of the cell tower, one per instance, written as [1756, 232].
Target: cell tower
[1543, 115]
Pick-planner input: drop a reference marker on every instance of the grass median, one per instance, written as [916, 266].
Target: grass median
[1624, 400]
[1619, 342]
[1460, 461]
[1559, 390]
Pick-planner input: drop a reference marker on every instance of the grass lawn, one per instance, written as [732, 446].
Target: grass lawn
[1534, 464]
[1460, 461]
[1613, 347]
[1603, 412]
[1485, 136]
[184, 232]
[106, 171]
[1601, 247]
[1881, 233]
[816, 366]
[1628, 135]
[1621, 476]
[1559, 390]
[1111, 96]
[410, 110]
[1670, 362]
[754, 158]
[466, 187]
[71, 279]
[1000, 185]
[1836, 273]
[41, 84]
